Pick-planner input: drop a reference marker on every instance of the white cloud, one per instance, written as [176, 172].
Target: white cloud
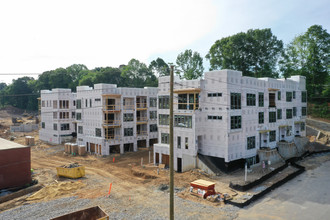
[40, 35]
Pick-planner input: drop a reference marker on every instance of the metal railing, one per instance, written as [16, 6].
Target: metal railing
[109, 122]
[141, 133]
[187, 106]
[141, 119]
[111, 107]
[128, 107]
[141, 105]
[113, 137]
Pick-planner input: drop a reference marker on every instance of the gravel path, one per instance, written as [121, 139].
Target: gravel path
[122, 208]
[45, 210]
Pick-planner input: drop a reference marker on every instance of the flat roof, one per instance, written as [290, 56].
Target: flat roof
[6, 145]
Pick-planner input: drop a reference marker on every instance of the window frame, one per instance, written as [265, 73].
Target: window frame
[251, 142]
[186, 120]
[250, 99]
[303, 111]
[272, 136]
[163, 119]
[288, 96]
[235, 100]
[128, 132]
[261, 118]
[261, 99]
[304, 96]
[279, 114]
[289, 113]
[153, 128]
[235, 122]
[165, 138]
[272, 117]
[98, 132]
[164, 102]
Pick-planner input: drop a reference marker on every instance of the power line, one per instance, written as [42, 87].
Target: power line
[19, 74]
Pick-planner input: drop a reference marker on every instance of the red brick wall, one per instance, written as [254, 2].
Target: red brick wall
[15, 167]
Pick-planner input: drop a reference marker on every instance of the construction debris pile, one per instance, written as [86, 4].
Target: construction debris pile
[55, 190]
[71, 165]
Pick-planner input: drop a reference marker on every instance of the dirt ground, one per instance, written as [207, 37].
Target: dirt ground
[128, 178]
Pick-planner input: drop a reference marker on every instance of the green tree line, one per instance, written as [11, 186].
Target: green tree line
[257, 53]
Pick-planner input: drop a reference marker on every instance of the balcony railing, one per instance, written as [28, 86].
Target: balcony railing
[142, 133]
[187, 106]
[141, 119]
[113, 137]
[141, 105]
[112, 123]
[111, 107]
[128, 107]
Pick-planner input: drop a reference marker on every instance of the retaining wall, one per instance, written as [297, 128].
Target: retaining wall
[24, 128]
[301, 144]
[287, 150]
[310, 131]
[271, 155]
[269, 189]
[255, 197]
[201, 165]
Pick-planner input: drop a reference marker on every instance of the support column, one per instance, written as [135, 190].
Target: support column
[135, 148]
[121, 148]
[147, 142]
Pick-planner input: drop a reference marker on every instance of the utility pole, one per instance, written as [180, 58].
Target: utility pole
[171, 147]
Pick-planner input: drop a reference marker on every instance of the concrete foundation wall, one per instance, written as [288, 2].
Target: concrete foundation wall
[188, 162]
[201, 165]
[310, 131]
[24, 128]
[301, 144]
[271, 155]
[287, 150]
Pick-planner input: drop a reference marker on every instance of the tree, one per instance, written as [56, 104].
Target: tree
[3, 86]
[137, 74]
[21, 95]
[190, 64]
[58, 78]
[88, 79]
[255, 53]
[159, 67]
[76, 72]
[309, 55]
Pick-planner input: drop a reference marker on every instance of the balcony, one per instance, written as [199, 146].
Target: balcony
[187, 106]
[128, 107]
[272, 99]
[142, 133]
[111, 123]
[141, 120]
[188, 99]
[141, 106]
[113, 137]
[112, 108]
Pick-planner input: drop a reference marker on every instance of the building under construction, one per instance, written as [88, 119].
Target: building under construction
[226, 118]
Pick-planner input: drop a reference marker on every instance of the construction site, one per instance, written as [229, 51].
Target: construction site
[130, 186]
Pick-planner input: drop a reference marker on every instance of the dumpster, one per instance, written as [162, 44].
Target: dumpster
[73, 171]
[93, 213]
[202, 188]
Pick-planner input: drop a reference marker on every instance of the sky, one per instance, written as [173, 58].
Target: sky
[41, 35]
